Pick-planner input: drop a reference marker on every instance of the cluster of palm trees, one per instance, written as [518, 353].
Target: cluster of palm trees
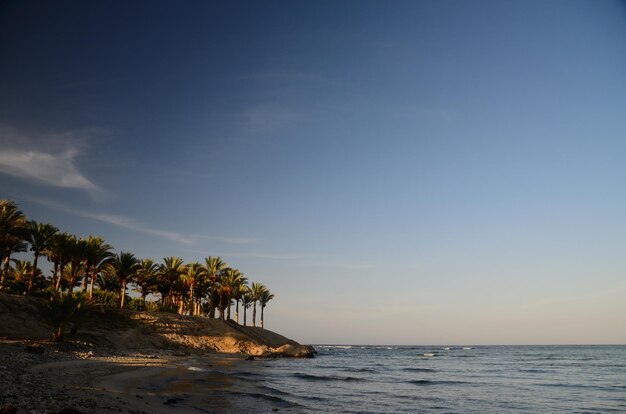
[210, 288]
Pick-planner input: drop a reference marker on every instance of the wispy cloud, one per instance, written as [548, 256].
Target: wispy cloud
[130, 224]
[257, 255]
[228, 240]
[304, 259]
[25, 157]
[116, 220]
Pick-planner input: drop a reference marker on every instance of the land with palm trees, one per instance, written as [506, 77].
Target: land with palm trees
[98, 312]
[90, 268]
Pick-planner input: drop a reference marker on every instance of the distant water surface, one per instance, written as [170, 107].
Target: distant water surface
[442, 379]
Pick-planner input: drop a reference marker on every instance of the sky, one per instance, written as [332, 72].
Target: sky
[419, 172]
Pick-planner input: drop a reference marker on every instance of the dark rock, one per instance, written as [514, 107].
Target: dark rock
[7, 409]
[172, 401]
[250, 358]
[34, 349]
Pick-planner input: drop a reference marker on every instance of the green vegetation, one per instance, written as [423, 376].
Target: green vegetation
[80, 265]
[63, 309]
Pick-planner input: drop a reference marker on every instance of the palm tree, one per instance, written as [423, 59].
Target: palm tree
[13, 230]
[256, 290]
[125, 265]
[146, 277]
[192, 277]
[265, 297]
[246, 302]
[241, 288]
[77, 258]
[169, 276]
[61, 310]
[98, 254]
[214, 266]
[39, 236]
[230, 282]
[58, 252]
[241, 291]
[106, 279]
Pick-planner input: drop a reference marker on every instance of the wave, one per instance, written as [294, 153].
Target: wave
[585, 386]
[415, 369]
[270, 398]
[311, 377]
[370, 370]
[434, 382]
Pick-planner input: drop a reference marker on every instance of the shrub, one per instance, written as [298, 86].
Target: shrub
[60, 310]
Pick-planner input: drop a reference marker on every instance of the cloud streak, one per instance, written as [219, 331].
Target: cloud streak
[57, 169]
[116, 220]
[133, 225]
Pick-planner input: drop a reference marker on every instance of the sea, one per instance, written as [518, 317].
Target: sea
[436, 379]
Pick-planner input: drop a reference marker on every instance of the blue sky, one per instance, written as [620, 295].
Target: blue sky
[405, 172]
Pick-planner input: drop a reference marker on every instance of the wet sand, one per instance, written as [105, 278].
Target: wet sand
[43, 379]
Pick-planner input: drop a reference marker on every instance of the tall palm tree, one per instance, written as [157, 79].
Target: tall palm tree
[265, 297]
[146, 277]
[192, 277]
[241, 288]
[39, 236]
[13, 231]
[256, 290]
[214, 267]
[58, 252]
[169, 277]
[125, 265]
[98, 254]
[77, 258]
[246, 302]
[230, 282]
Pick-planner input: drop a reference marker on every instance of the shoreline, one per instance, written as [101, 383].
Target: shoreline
[38, 377]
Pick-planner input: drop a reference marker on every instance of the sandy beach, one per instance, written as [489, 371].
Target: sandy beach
[133, 362]
[39, 377]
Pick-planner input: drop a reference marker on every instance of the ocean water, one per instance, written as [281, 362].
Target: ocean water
[436, 379]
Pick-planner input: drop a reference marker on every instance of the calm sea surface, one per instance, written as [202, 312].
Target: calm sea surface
[424, 379]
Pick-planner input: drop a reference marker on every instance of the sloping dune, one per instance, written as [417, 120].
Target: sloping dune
[124, 330]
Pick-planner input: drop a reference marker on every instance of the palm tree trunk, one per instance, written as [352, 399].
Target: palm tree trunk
[254, 313]
[123, 294]
[192, 307]
[211, 303]
[244, 315]
[91, 282]
[237, 311]
[83, 288]
[5, 269]
[61, 269]
[228, 314]
[262, 309]
[31, 282]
